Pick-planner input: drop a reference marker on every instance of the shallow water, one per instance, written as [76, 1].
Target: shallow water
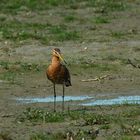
[51, 99]
[115, 101]
[88, 100]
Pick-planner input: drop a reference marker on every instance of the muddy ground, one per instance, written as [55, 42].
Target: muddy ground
[95, 39]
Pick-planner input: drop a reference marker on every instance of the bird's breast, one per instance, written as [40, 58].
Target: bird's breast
[55, 74]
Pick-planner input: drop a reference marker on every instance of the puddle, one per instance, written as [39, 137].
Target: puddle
[115, 101]
[88, 100]
[51, 99]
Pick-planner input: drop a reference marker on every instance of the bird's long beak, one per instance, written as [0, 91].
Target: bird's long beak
[62, 58]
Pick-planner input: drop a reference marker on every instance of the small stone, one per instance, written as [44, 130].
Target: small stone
[85, 48]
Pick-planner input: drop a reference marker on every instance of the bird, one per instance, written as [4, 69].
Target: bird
[58, 73]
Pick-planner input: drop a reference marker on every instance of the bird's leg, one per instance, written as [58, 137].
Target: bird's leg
[63, 97]
[54, 97]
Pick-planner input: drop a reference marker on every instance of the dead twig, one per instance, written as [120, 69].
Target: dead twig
[134, 65]
[96, 78]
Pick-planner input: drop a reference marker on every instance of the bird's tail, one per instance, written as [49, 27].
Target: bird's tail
[68, 83]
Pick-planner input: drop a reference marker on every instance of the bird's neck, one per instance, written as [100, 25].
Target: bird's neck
[55, 61]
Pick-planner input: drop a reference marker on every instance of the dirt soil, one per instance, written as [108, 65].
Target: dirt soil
[96, 47]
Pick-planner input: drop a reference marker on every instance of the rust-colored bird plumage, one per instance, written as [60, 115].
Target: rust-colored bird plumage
[57, 73]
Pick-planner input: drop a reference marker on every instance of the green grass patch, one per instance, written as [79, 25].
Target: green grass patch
[47, 136]
[105, 126]
[126, 138]
[68, 35]
[122, 137]
[105, 121]
[108, 5]
[10, 71]
[69, 18]
[17, 31]
[57, 29]
[30, 67]
[101, 20]
[13, 6]
[133, 113]
[20, 67]
[118, 35]
[40, 115]
[75, 115]
[94, 119]
[61, 33]
[77, 135]
[8, 76]
[4, 65]
[2, 18]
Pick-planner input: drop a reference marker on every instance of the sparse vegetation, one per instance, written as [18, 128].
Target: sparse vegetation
[118, 35]
[69, 18]
[108, 5]
[103, 121]
[20, 67]
[5, 136]
[14, 6]
[18, 31]
[100, 20]
[10, 71]
[43, 136]
[35, 115]
[97, 38]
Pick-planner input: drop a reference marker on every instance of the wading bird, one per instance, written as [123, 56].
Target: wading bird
[57, 73]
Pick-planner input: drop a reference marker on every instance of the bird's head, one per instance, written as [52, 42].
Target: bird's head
[57, 53]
